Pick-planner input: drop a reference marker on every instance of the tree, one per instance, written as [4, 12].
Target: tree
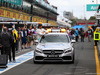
[73, 22]
[92, 18]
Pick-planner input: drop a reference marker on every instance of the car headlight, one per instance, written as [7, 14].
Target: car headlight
[67, 50]
[38, 50]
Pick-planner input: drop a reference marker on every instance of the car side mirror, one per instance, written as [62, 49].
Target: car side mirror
[73, 41]
[36, 41]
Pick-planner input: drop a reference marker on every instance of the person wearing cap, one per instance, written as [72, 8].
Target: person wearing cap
[14, 34]
[40, 31]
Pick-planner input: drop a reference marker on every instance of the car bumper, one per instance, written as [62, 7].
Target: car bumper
[65, 57]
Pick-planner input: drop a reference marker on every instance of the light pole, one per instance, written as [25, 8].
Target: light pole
[48, 13]
[31, 9]
[47, 16]
[84, 12]
[96, 6]
[97, 11]
[31, 12]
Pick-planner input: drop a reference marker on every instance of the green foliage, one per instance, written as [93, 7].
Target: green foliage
[92, 18]
[73, 22]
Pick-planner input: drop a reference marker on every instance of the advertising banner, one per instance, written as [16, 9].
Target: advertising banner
[92, 7]
[16, 2]
[11, 14]
[38, 19]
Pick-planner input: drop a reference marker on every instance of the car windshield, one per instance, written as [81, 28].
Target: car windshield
[54, 38]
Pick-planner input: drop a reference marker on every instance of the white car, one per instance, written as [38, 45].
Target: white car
[54, 47]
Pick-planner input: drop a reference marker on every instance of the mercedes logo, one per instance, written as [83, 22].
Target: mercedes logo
[52, 52]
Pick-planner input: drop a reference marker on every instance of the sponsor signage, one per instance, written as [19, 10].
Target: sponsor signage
[92, 7]
[11, 14]
[16, 2]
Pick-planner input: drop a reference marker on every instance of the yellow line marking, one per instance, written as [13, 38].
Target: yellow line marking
[97, 61]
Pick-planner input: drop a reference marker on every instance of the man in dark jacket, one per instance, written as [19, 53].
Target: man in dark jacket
[72, 34]
[82, 34]
[13, 45]
[5, 42]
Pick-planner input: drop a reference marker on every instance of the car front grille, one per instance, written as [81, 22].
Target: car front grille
[52, 52]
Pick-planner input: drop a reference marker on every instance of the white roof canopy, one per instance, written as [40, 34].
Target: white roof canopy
[60, 22]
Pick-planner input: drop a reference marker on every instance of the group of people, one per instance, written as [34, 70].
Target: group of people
[80, 33]
[25, 36]
[10, 38]
[7, 43]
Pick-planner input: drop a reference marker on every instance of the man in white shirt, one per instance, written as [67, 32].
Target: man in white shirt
[30, 36]
[40, 31]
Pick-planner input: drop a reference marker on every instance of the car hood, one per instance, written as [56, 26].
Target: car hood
[53, 46]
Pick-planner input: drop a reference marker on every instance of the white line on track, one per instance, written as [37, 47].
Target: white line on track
[16, 64]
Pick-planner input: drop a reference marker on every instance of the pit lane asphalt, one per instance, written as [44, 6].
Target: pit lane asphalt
[85, 64]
